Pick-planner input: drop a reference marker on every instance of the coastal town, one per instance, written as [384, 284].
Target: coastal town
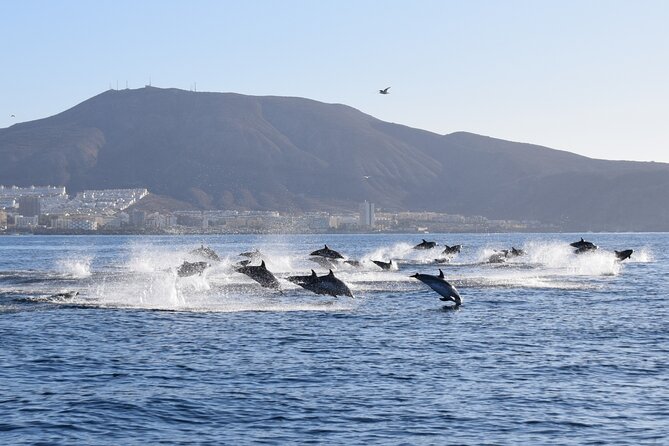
[50, 210]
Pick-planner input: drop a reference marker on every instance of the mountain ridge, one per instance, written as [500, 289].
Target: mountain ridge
[232, 151]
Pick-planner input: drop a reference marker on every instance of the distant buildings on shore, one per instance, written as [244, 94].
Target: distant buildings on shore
[367, 217]
[48, 209]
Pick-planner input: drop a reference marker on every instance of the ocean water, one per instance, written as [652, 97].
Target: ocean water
[547, 348]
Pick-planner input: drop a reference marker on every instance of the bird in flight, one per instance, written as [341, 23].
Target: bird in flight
[12, 116]
[384, 91]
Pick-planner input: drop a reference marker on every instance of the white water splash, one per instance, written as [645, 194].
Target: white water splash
[643, 255]
[151, 282]
[76, 268]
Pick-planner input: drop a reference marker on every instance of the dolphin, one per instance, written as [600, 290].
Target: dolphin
[516, 252]
[452, 249]
[303, 281]
[425, 245]
[251, 254]
[499, 256]
[584, 249]
[324, 262]
[206, 252]
[191, 268]
[383, 265]
[583, 244]
[502, 255]
[622, 255]
[327, 284]
[260, 274]
[327, 253]
[439, 284]
[65, 295]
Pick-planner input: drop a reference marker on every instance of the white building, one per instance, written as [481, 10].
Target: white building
[50, 196]
[26, 222]
[76, 223]
[366, 219]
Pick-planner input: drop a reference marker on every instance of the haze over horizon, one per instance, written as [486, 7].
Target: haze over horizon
[589, 78]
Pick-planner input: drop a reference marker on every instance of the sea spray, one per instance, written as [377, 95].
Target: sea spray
[76, 268]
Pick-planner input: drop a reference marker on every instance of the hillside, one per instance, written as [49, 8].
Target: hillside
[230, 151]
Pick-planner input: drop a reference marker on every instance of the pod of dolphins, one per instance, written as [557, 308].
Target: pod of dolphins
[330, 285]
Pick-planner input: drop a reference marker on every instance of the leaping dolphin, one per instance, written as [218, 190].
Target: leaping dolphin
[425, 245]
[251, 254]
[260, 274]
[499, 256]
[516, 252]
[452, 249]
[502, 255]
[324, 262]
[622, 255]
[383, 265]
[583, 246]
[206, 252]
[439, 284]
[304, 281]
[191, 268]
[327, 284]
[327, 253]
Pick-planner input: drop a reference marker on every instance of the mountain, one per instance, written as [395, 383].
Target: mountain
[230, 151]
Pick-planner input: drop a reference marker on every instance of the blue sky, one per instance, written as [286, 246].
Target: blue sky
[585, 76]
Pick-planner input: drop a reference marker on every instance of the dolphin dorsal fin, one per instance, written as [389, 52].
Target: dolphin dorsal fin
[262, 264]
[326, 247]
[582, 239]
[391, 262]
[331, 273]
[441, 274]
[424, 241]
[313, 273]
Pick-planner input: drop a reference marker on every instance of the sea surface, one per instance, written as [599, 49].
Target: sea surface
[547, 348]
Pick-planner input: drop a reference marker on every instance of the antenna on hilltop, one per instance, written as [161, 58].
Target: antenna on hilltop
[195, 86]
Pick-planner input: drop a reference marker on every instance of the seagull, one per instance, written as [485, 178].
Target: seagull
[12, 116]
[384, 91]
